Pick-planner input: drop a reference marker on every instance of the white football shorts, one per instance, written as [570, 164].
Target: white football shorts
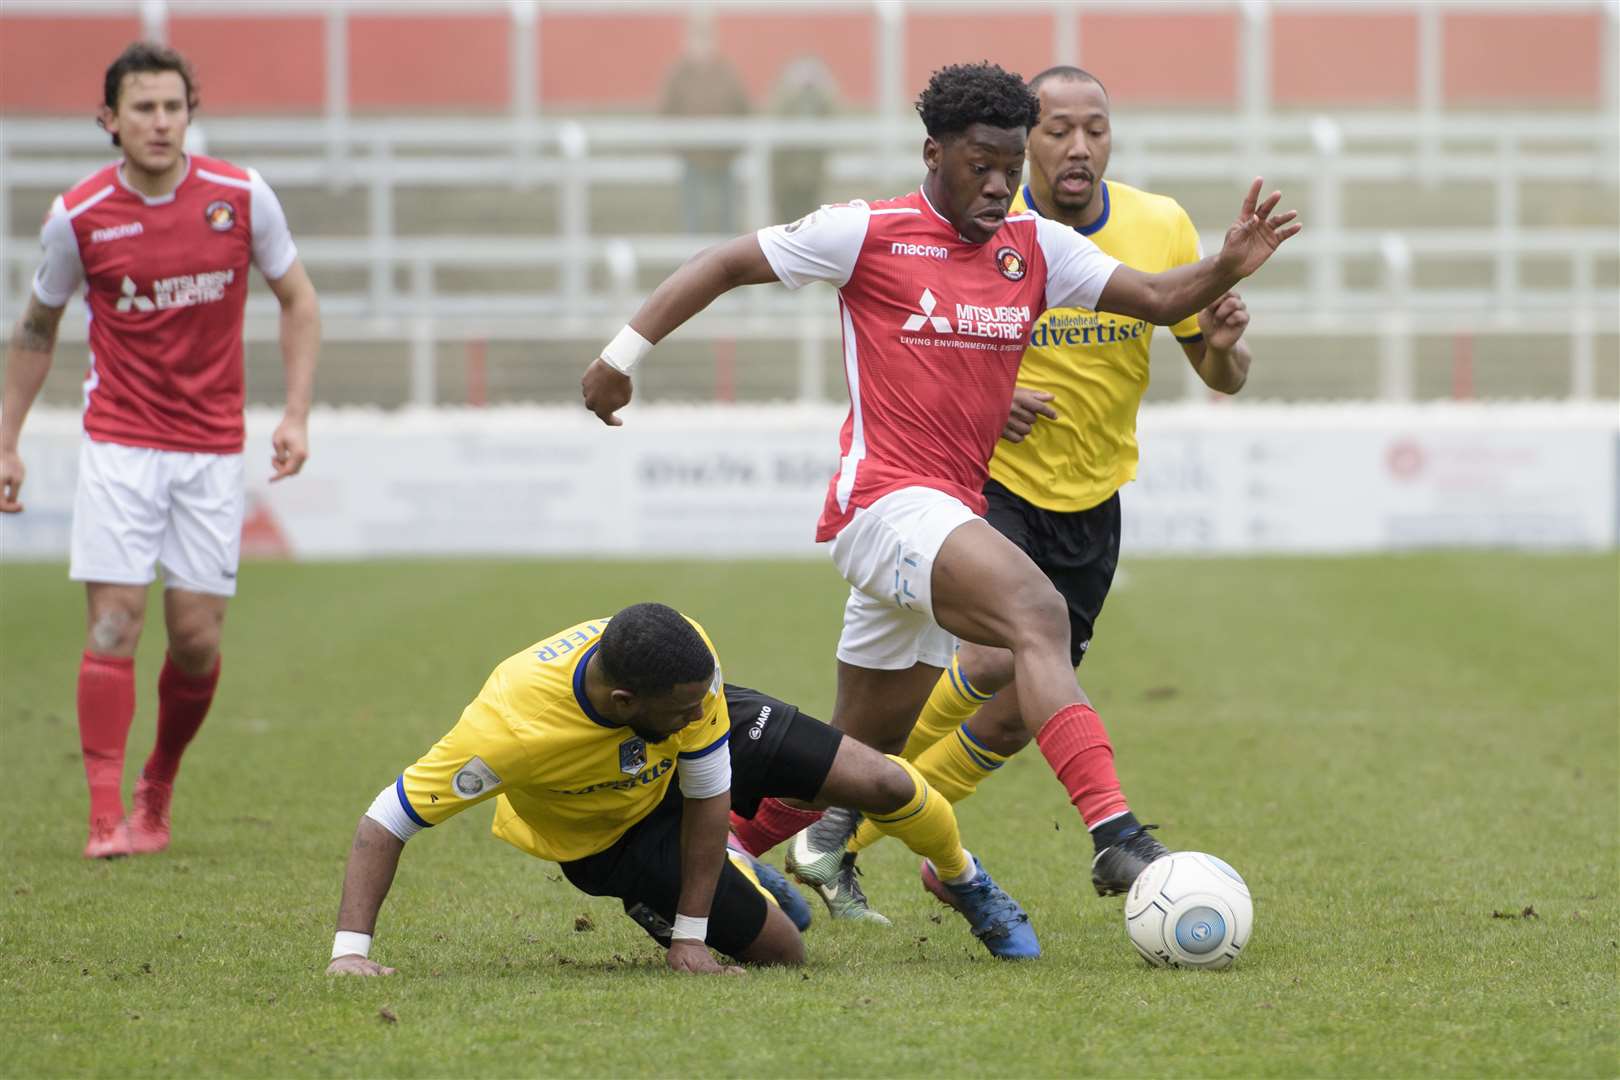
[136, 508]
[887, 554]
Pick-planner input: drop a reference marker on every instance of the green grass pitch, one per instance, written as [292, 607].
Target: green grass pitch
[1405, 756]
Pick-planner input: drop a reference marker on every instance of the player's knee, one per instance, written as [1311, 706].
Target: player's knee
[778, 943]
[1043, 616]
[194, 639]
[892, 788]
[987, 669]
[114, 630]
[1004, 734]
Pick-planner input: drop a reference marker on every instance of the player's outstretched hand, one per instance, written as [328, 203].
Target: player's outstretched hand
[1224, 321]
[1257, 232]
[694, 957]
[355, 964]
[291, 446]
[1027, 407]
[11, 481]
[606, 390]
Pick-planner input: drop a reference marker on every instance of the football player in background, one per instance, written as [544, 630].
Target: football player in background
[161, 242]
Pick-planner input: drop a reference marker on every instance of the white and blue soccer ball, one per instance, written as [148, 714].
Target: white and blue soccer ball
[1189, 910]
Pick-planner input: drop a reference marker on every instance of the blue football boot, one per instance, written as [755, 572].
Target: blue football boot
[996, 918]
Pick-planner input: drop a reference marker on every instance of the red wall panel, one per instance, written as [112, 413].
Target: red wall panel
[607, 60]
[762, 45]
[1343, 58]
[1523, 59]
[255, 65]
[56, 65]
[1021, 42]
[1181, 59]
[439, 62]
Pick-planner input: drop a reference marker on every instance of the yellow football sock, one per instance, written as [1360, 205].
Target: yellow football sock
[953, 767]
[926, 825]
[952, 701]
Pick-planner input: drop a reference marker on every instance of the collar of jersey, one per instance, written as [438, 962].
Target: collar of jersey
[160, 200]
[1083, 230]
[580, 696]
[943, 220]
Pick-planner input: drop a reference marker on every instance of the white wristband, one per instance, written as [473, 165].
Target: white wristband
[689, 928]
[349, 943]
[626, 350]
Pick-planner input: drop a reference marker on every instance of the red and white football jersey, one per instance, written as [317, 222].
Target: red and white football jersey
[934, 327]
[166, 283]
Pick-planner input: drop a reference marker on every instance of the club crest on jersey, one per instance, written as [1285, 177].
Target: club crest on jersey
[632, 755]
[220, 215]
[1010, 263]
[473, 778]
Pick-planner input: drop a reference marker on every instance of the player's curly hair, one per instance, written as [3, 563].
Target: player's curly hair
[649, 649]
[145, 57]
[962, 95]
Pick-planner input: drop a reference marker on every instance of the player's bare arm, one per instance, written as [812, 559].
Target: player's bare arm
[373, 858]
[300, 348]
[704, 823]
[699, 281]
[28, 360]
[1168, 297]
[1222, 358]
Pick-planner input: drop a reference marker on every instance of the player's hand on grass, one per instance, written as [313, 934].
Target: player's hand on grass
[290, 444]
[1223, 322]
[355, 964]
[1257, 231]
[11, 481]
[606, 391]
[1027, 407]
[694, 957]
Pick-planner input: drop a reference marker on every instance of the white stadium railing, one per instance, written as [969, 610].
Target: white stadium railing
[1316, 159]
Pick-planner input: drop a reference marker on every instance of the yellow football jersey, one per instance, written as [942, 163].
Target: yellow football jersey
[1095, 365]
[567, 782]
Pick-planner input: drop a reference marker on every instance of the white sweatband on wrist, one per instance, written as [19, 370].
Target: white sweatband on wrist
[689, 928]
[349, 943]
[626, 350]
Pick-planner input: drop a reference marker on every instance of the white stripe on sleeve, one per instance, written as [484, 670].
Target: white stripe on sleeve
[273, 248]
[386, 811]
[707, 776]
[1076, 269]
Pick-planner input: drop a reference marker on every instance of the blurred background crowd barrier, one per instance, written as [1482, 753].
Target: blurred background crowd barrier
[483, 191]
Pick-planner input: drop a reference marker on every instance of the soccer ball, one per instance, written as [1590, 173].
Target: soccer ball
[1189, 910]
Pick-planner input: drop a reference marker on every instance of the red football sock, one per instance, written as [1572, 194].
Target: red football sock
[183, 701]
[771, 824]
[1076, 746]
[106, 707]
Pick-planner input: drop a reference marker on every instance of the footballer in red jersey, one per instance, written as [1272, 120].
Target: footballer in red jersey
[161, 243]
[937, 293]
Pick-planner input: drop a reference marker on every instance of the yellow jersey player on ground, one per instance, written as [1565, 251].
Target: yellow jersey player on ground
[581, 739]
[1070, 445]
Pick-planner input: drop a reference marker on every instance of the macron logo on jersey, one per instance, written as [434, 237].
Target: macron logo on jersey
[927, 251]
[940, 323]
[116, 232]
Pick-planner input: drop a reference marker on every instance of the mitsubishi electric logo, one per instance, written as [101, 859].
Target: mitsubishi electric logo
[182, 290]
[940, 323]
[130, 300]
